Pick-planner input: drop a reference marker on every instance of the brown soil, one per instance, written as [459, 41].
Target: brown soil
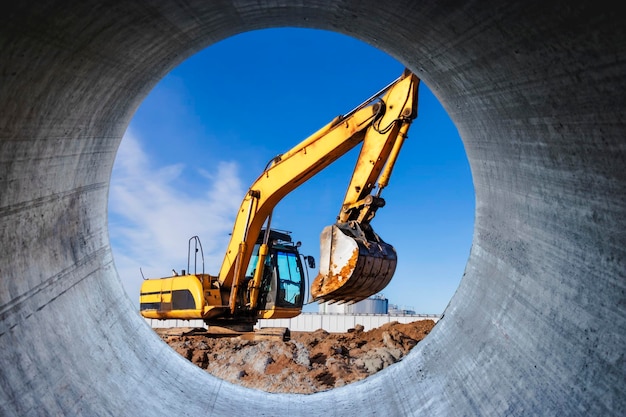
[309, 362]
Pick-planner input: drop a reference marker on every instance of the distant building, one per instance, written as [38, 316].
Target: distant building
[376, 304]
[396, 311]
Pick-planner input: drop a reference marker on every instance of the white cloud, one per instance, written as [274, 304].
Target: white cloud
[152, 216]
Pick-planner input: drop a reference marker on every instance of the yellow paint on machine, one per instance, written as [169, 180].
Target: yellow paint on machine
[178, 297]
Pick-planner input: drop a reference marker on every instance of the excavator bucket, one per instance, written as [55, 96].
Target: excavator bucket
[354, 265]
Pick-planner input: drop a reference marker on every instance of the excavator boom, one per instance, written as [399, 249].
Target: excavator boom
[355, 262]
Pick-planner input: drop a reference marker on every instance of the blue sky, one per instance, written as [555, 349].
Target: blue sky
[208, 129]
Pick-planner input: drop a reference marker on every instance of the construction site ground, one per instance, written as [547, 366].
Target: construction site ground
[308, 362]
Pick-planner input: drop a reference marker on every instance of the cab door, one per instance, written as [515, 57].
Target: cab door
[289, 279]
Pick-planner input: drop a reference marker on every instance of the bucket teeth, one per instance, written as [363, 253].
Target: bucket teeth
[352, 267]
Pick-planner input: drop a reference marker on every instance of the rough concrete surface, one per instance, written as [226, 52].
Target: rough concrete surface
[536, 90]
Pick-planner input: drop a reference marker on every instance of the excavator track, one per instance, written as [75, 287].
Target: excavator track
[216, 332]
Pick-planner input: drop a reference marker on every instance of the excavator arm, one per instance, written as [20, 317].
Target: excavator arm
[380, 124]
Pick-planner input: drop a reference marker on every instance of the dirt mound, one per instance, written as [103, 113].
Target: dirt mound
[309, 362]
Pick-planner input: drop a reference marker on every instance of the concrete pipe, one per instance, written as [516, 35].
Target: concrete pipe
[536, 90]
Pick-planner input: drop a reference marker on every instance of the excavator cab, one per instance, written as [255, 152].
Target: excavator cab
[283, 282]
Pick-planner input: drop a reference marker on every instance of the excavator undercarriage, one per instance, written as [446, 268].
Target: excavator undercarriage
[216, 332]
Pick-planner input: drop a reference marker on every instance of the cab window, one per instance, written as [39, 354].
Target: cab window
[289, 279]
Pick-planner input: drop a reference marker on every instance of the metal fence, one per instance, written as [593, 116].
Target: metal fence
[306, 322]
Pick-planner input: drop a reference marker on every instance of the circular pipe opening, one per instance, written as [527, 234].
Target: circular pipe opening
[207, 130]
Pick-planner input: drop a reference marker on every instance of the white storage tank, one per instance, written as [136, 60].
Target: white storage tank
[376, 304]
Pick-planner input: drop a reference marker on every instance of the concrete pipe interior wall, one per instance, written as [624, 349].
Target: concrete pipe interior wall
[536, 90]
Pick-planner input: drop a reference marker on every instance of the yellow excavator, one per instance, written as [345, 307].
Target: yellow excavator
[262, 274]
